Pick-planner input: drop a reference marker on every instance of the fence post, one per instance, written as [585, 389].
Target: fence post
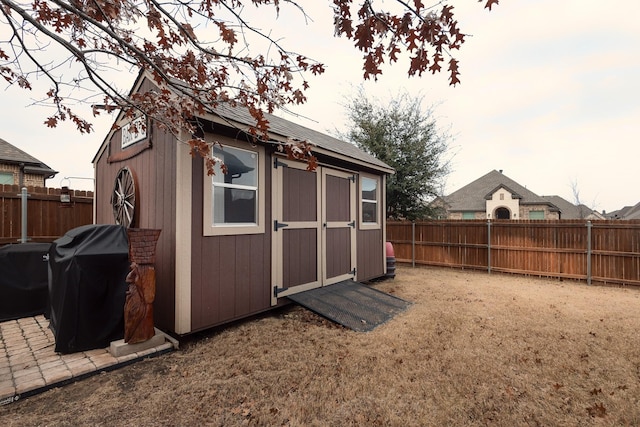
[589, 252]
[489, 246]
[23, 196]
[413, 244]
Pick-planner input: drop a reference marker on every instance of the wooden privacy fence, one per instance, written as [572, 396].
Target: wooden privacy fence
[603, 250]
[47, 217]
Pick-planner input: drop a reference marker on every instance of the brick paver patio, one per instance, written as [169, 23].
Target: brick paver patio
[29, 364]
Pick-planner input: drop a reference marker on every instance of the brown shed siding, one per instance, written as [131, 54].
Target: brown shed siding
[338, 197]
[371, 259]
[231, 275]
[338, 251]
[155, 171]
[299, 195]
[301, 253]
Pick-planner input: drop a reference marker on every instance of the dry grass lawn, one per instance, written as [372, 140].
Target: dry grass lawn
[473, 350]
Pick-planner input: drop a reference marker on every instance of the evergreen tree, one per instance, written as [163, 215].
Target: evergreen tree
[407, 138]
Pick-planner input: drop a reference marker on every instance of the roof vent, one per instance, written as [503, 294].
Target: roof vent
[500, 171]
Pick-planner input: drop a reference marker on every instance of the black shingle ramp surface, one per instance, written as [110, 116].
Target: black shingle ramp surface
[352, 304]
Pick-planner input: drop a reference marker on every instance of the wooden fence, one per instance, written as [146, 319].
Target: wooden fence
[47, 217]
[602, 251]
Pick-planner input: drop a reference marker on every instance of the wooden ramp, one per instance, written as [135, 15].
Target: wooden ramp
[351, 304]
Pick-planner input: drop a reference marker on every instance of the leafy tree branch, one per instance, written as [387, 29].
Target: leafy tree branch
[198, 53]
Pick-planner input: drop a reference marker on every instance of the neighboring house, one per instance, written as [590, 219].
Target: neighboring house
[496, 196]
[20, 168]
[236, 244]
[570, 211]
[628, 212]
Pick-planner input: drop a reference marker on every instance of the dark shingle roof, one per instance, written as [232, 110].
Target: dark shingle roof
[628, 212]
[472, 197]
[11, 154]
[241, 119]
[288, 129]
[568, 210]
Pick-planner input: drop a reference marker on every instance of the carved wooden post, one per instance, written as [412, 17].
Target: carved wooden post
[138, 306]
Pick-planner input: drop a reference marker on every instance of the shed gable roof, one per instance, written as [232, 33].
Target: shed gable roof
[472, 197]
[279, 129]
[287, 129]
[13, 155]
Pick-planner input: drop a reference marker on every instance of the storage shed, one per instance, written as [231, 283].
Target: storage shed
[236, 244]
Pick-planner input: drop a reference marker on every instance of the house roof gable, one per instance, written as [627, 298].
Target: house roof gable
[490, 194]
[627, 212]
[9, 153]
[568, 210]
[472, 197]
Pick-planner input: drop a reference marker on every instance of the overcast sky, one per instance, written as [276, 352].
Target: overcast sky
[550, 94]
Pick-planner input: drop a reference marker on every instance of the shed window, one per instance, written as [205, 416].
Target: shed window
[370, 202]
[6, 178]
[234, 198]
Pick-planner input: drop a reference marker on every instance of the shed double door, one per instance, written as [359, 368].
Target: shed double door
[314, 235]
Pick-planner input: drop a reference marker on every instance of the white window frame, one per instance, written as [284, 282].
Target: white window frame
[208, 226]
[361, 223]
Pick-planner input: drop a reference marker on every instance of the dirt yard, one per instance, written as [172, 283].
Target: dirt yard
[473, 350]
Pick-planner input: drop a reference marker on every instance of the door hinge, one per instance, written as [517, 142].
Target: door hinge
[278, 225]
[352, 178]
[277, 163]
[277, 290]
[352, 224]
[353, 272]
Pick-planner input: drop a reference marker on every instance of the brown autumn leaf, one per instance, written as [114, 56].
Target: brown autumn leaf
[490, 3]
[51, 122]
[597, 410]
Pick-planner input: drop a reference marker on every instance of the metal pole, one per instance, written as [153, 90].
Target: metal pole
[413, 244]
[23, 196]
[489, 246]
[589, 252]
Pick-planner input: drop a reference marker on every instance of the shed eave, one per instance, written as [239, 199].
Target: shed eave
[280, 139]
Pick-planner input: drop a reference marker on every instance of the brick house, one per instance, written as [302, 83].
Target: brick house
[496, 196]
[22, 169]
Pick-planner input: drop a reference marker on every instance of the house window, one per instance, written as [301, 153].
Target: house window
[501, 196]
[369, 202]
[6, 178]
[468, 215]
[234, 202]
[536, 214]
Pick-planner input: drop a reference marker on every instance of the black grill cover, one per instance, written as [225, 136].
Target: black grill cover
[88, 268]
[23, 280]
